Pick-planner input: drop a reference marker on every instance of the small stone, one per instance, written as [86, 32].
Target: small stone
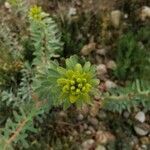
[74, 133]
[141, 129]
[126, 16]
[91, 129]
[100, 147]
[140, 116]
[87, 49]
[81, 128]
[110, 84]
[85, 126]
[93, 121]
[145, 140]
[70, 138]
[144, 147]
[101, 69]
[116, 18]
[102, 137]
[72, 11]
[111, 65]
[102, 114]
[7, 5]
[134, 141]
[80, 117]
[126, 114]
[88, 132]
[145, 13]
[102, 51]
[62, 114]
[88, 144]
[99, 59]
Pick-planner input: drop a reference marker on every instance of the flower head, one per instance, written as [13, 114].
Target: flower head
[35, 13]
[77, 83]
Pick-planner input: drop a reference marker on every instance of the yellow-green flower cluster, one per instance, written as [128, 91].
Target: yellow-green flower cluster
[75, 83]
[35, 13]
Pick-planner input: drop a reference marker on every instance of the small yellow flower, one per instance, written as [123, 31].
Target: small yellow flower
[35, 13]
[75, 83]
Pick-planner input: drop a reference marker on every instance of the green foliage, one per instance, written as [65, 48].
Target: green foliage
[130, 58]
[45, 36]
[128, 98]
[19, 6]
[10, 56]
[73, 84]
[15, 131]
[31, 86]
[143, 37]
[78, 29]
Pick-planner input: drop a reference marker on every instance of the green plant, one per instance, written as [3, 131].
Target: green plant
[130, 58]
[11, 58]
[143, 37]
[19, 6]
[28, 99]
[45, 36]
[64, 86]
[128, 98]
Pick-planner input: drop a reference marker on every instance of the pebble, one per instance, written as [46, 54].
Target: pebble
[141, 129]
[110, 84]
[102, 51]
[88, 144]
[72, 11]
[100, 147]
[93, 121]
[88, 132]
[62, 114]
[102, 137]
[145, 140]
[80, 117]
[99, 59]
[101, 69]
[126, 114]
[144, 147]
[92, 129]
[7, 5]
[145, 13]
[102, 115]
[87, 49]
[85, 126]
[111, 65]
[116, 18]
[140, 116]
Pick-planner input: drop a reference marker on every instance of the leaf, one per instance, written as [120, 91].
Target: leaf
[87, 66]
[71, 62]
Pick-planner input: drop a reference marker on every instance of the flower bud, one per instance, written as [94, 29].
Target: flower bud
[72, 87]
[72, 82]
[77, 91]
[80, 85]
[78, 80]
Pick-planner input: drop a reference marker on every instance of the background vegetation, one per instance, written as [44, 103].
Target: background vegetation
[74, 74]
